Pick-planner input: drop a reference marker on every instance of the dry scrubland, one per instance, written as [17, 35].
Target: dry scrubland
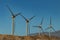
[42, 37]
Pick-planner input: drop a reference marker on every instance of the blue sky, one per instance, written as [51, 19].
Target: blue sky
[29, 8]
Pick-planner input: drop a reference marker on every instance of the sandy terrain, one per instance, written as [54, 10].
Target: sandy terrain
[42, 37]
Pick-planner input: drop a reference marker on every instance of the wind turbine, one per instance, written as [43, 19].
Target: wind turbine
[13, 19]
[50, 27]
[40, 27]
[27, 23]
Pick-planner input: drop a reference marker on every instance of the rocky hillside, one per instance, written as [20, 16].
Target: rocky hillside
[37, 37]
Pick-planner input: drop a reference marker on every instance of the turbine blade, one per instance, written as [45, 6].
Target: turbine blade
[53, 29]
[50, 21]
[10, 10]
[42, 29]
[23, 17]
[51, 24]
[42, 21]
[17, 14]
[35, 26]
[31, 18]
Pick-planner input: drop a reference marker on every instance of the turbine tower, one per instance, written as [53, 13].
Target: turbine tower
[40, 27]
[27, 23]
[50, 27]
[13, 19]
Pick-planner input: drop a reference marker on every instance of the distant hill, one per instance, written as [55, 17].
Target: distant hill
[57, 33]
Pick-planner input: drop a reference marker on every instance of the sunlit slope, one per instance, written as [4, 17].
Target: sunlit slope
[37, 37]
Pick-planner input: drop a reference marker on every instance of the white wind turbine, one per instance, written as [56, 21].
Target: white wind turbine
[40, 27]
[50, 28]
[13, 19]
[27, 23]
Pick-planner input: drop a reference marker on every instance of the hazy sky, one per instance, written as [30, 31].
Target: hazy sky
[29, 8]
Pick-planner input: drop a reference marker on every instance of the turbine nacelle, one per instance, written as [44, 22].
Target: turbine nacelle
[51, 26]
[27, 20]
[13, 16]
